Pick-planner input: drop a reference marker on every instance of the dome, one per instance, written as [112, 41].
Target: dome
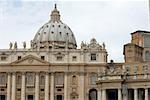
[54, 34]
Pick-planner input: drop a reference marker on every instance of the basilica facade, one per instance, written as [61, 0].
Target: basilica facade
[54, 69]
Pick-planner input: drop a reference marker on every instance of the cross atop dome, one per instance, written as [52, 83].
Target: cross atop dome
[55, 16]
[55, 6]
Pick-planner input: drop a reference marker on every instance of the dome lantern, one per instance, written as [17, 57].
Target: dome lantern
[55, 16]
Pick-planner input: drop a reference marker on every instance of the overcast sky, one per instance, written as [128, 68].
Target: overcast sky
[109, 21]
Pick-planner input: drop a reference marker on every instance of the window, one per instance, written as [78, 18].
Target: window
[93, 94]
[18, 80]
[18, 89]
[93, 57]
[59, 79]
[2, 79]
[42, 80]
[30, 97]
[58, 89]
[42, 89]
[2, 89]
[147, 55]
[43, 57]
[59, 58]
[3, 58]
[59, 97]
[135, 71]
[93, 79]
[2, 97]
[30, 78]
[74, 58]
[19, 57]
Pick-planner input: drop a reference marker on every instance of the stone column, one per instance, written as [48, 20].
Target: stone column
[37, 86]
[8, 86]
[135, 94]
[65, 86]
[23, 87]
[13, 92]
[146, 94]
[47, 86]
[99, 94]
[52, 87]
[119, 94]
[81, 80]
[104, 94]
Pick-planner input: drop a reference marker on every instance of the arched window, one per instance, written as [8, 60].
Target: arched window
[147, 55]
[92, 94]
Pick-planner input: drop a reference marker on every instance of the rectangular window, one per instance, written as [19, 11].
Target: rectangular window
[2, 89]
[3, 58]
[42, 89]
[93, 57]
[59, 79]
[19, 57]
[2, 97]
[59, 58]
[93, 79]
[30, 79]
[18, 89]
[30, 97]
[2, 79]
[43, 57]
[58, 89]
[74, 58]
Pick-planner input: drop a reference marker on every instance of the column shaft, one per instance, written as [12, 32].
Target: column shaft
[47, 86]
[119, 94]
[103, 94]
[13, 93]
[23, 87]
[65, 87]
[146, 94]
[99, 95]
[81, 95]
[52, 87]
[37, 86]
[135, 94]
[8, 86]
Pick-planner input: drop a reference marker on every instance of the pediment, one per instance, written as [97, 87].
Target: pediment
[30, 60]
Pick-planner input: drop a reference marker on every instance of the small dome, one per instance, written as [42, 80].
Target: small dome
[54, 34]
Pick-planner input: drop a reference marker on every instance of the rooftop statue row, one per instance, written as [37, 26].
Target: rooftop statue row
[93, 45]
